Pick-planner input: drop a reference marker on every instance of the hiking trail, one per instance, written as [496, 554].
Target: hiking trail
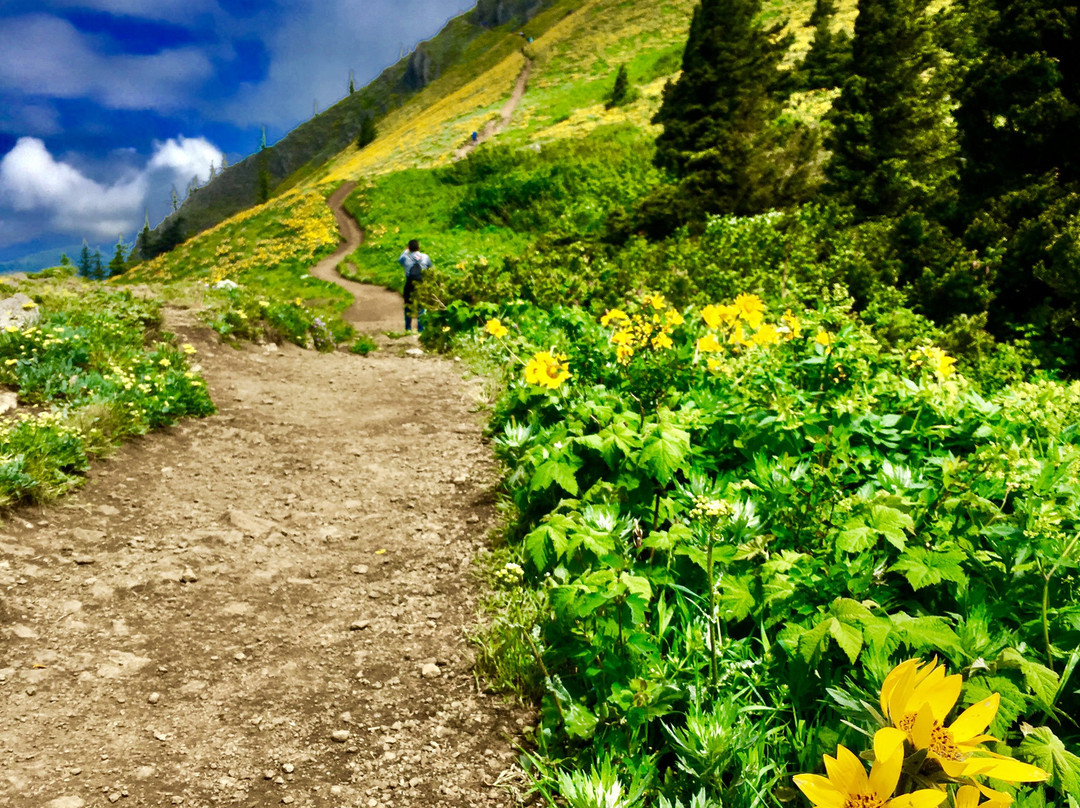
[266, 606]
[497, 125]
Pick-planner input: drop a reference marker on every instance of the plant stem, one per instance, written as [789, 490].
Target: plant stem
[712, 610]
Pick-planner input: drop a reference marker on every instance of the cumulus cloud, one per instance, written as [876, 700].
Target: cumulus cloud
[55, 59]
[32, 181]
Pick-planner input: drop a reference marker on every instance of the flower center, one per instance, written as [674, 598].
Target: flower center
[863, 801]
[942, 744]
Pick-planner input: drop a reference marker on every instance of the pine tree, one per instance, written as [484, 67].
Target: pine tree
[352, 83]
[893, 138]
[174, 200]
[119, 260]
[263, 170]
[86, 260]
[64, 260]
[368, 132]
[224, 162]
[1018, 117]
[621, 92]
[97, 270]
[827, 62]
[717, 137]
[142, 244]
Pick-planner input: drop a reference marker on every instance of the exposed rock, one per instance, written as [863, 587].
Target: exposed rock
[430, 671]
[19, 311]
[249, 525]
[8, 401]
[66, 802]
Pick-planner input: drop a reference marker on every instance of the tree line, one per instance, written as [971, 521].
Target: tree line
[950, 144]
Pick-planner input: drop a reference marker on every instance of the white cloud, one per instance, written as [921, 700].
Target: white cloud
[185, 157]
[50, 57]
[32, 181]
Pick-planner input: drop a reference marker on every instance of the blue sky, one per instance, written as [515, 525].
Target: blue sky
[107, 104]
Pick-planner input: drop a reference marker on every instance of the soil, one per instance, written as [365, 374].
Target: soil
[267, 606]
[497, 125]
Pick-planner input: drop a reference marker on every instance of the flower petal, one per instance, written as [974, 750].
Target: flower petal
[1004, 768]
[923, 727]
[820, 791]
[894, 678]
[847, 771]
[966, 797]
[975, 718]
[924, 798]
[886, 740]
[885, 773]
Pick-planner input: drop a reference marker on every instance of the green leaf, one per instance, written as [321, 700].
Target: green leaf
[891, 523]
[736, 599]
[1042, 681]
[847, 636]
[580, 723]
[664, 449]
[557, 470]
[856, 537]
[927, 635]
[1044, 749]
[924, 567]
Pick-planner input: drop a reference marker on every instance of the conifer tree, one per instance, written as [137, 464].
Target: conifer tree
[1019, 116]
[263, 170]
[119, 260]
[621, 92]
[174, 200]
[893, 138]
[97, 270]
[352, 83]
[717, 116]
[64, 260]
[86, 260]
[368, 132]
[142, 243]
[827, 61]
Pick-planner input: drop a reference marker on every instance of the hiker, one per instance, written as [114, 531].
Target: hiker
[414, 263]
[475, 137]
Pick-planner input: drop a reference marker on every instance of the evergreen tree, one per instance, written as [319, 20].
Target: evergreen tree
[224, 162]
[64, 260]
[717, 117]
[264, 170]
[1019, 116]
[174, 201]
[86, 260]
[893, 138]
[352, 83]
[367, 130]
[828, 60]
[621, 92]
[97, 270]
[119, 260]
[142, 243]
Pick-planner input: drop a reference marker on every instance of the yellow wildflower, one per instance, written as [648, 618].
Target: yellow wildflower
[940, 362]
[164, 362]
[824, 339]
[623, 338]
[847, 785]
[750, 308]
[708, 344]
[713, 364]
[623, 353]
[766, 335]
[917, 698]
[657, 301]
[715, 316]
[661, 342]
[496, 329]
[613, 315]
[793, 323]
[188, 348]
[736, 337]
[674, 318]
[547, 369]
[29, 304]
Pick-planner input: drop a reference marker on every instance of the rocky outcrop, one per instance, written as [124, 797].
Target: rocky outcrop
[493, 13]
[420, 70]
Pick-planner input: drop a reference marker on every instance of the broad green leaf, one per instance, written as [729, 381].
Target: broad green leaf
[924, 567]
[812, 642]
[891, 523]
[856, 537]
[1044, 749]
[847, 636]
[580, 723]
[663, 451]
[1042, 681]
[927, 635]
[736, 599]
[560, 471]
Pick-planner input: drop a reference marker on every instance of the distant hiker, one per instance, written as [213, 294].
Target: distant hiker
[414, 263]
[475, 137]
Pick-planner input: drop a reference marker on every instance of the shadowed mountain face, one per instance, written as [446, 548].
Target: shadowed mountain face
[243, 184]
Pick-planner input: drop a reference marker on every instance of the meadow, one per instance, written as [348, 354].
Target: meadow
[93, 370]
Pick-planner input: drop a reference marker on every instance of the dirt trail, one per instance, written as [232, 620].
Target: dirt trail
[373, 308]
[262, 607]
[494, 127]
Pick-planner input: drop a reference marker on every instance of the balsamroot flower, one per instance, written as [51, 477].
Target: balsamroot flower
[917, 698]
[547, 369]
[824, 338]
[708, 344]
[614, 315]
[847, 785]
[496, 328]
[766, 335]
[750, 308]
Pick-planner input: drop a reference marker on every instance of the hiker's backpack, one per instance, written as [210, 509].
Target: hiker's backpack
[416, 270]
